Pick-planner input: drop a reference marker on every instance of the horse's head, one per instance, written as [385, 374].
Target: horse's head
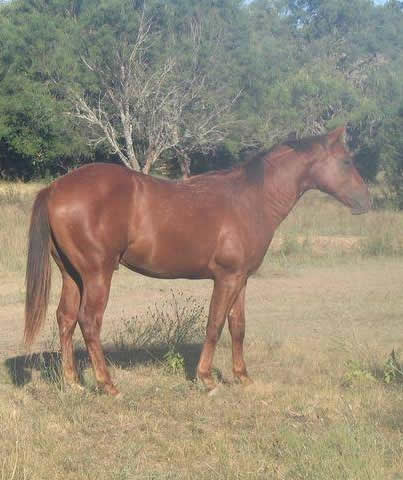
[334, 172]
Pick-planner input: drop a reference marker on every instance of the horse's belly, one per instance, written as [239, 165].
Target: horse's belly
[168, 260]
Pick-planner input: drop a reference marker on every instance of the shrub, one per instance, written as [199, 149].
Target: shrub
[177, 321]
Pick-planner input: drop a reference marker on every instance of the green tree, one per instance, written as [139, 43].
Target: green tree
[34, 54]
[391, 155]
[301, 65]
[153, 92]
[357, 62]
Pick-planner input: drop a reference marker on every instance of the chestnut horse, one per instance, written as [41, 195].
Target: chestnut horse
[216, 225]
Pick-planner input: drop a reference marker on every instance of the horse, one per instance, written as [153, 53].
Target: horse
[216, 225]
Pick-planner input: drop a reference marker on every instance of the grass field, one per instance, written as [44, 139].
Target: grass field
[324, 346]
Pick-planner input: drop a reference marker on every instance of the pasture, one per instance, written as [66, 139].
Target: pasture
[324, 314]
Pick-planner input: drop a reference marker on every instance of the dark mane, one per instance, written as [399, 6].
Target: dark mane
[253, 165]
[305, 144]
[299, 145]
[254, 168]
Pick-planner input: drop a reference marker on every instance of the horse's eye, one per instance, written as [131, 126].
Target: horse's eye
[348, 162]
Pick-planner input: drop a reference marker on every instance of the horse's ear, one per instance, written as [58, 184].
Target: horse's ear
[337, 135]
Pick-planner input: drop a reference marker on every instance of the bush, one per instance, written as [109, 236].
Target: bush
[177, 321]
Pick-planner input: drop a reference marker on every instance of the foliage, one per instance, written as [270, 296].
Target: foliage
[359, 371]
[157, 94]
[391, 153]
[381, 243]
[174, 362]
[392, 370]
[177, 321]
[34, 55]
[356, 373]
[301, 66]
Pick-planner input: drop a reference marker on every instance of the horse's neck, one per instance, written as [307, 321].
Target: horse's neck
[284, 183]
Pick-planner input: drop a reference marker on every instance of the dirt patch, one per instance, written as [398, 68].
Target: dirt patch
[302, 302]
[320, 244]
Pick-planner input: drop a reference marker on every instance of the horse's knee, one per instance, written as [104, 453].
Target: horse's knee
[66, 321]
[213, 333]
[88, 327]
[90, 320]
[236, 327]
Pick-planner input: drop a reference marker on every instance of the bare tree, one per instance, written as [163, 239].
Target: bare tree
[146, 109]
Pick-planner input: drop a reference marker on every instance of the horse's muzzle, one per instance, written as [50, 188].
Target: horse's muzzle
[360, 205]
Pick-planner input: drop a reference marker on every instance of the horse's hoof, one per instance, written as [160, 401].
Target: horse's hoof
[111, 390]
[214, 391]
[244, 380]
[74, 387]
[208, 382]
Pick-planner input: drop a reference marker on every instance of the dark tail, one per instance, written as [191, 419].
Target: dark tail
[38, 272]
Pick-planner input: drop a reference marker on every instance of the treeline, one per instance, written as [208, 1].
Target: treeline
[182, 86]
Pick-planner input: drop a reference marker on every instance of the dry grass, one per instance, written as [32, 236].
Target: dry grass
[322, 322]
[319, 226]
[15, 204]
[297, 422]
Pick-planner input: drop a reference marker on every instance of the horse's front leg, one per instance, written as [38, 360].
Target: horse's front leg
[236, 324]
[226, 290]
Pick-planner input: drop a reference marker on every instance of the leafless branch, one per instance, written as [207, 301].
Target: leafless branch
[145, 110]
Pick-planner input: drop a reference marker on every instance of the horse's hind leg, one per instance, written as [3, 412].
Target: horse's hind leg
[67, 315]
[236, 324]
[96, 288]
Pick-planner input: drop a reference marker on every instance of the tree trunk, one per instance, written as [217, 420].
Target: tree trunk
[184, 163]
[127, 131]
[150, 159]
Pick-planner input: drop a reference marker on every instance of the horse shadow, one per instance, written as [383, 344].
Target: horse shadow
[48, 364]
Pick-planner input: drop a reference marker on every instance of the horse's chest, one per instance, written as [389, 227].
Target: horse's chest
[258, 241]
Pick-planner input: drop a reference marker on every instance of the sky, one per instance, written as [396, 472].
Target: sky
[377, 2]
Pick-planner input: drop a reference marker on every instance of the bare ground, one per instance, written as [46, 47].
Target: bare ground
[317, 410]
[315, 303]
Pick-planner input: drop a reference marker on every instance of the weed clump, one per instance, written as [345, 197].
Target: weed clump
[174, 362]
[358, 371]
[177, 321]
[381, 244]
[392, 369]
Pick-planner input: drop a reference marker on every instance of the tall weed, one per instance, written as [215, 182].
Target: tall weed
[178, 320]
